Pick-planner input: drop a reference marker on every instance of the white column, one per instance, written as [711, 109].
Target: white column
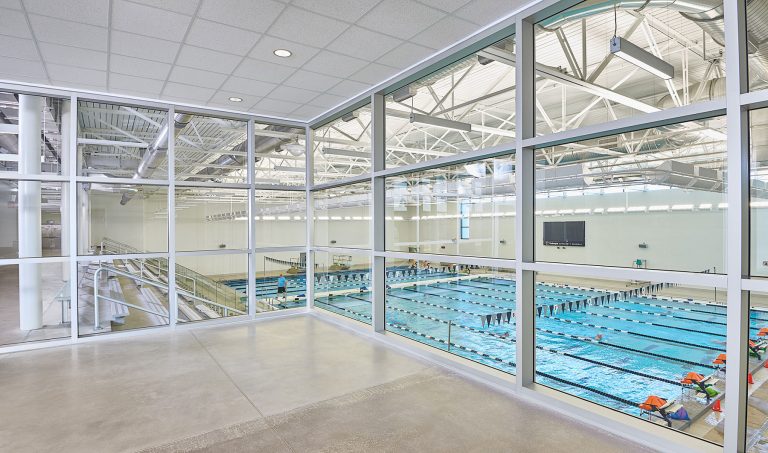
[30, 243]
[65, 188]
[310, 211]
[84, 219]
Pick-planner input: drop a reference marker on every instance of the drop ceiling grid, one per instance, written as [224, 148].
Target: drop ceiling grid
[203, 51]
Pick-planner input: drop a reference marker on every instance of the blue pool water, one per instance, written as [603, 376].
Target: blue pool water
[648, 343]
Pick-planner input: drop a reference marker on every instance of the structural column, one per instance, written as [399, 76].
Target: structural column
[30, 242]
[64, 127]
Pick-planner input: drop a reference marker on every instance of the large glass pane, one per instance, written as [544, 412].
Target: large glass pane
[648, 349]
[343, 285]
[34, 302]
[646, 199]
[121, 218]
[465, 209]
[210, 149]
[46, 128]
[208, 286]
[270, 267]
[343, 217]
[209, 218]
[465, 310]
[280, 218]
[664, 54]
[115, 295]
[279, 155]
[758, 153]
[33, 220]
[465, 106]
[757, 39]
[122, 141]
[342, 148]
[757, 396]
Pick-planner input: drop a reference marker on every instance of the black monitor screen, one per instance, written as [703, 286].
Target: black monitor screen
[564, 233]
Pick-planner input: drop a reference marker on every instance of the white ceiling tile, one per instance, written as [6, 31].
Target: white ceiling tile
[195, 57]
[263, 70]
[349, 88]
[212, 35]
[275, 106]
[446, 5]
[346, 10]
[149, 21]
[248, 86]
[303, 26]
[444, 33]
[10, 4]
[14, 23]
[311, 80]
[196, 77]
[361, 43]
[267, 44]
[57, 31]
[151, 95]
[484, 12]
[22, 69]
[400, 18]
[374, 73]
[77, 75]
[94, 12]
[221, 99]
[298, 95]
[335, 64]
[73, 56]
[187, 7]
[144, 47]
[138, 67]
[254, 15]
[405, 55]
[18, 48]
[124, 82]
[307, 112]
[188, 92]
[327, 101]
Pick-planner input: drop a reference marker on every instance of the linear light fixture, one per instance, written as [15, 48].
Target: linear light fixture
[346, 153]
[440, 122]
[641, 58]
[286, 168]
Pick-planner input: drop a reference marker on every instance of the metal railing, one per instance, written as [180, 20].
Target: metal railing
[97, 296]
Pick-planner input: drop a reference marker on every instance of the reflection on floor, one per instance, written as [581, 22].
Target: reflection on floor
[290, 384]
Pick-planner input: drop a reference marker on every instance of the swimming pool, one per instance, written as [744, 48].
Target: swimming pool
[648, 343]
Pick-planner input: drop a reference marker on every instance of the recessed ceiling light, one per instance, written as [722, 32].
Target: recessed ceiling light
[236, 99]
[282, 53]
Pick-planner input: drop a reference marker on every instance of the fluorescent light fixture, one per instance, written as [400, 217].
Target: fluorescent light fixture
[351, 116]
[636, 209]
[722, 205]
[565, 211]
[286, 168]
[615, 209]
[440, 122]
[282, 53]
[659, 207]
[682, 207]
[236, 99]
[598, 210]
[404, 93]
[582, 211]
[705, 206]
[759, 204]
[345, 153]
[641, 58]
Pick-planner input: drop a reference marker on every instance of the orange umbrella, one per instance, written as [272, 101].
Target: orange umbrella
[692, 378]
[763, 332]
[720, 360]
[652, 403]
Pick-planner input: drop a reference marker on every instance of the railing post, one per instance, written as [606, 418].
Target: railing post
[96, 299]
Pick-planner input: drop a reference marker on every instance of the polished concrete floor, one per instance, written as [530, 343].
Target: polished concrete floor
[289, 384]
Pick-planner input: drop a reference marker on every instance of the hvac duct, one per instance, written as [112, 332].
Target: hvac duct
[156, 151]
